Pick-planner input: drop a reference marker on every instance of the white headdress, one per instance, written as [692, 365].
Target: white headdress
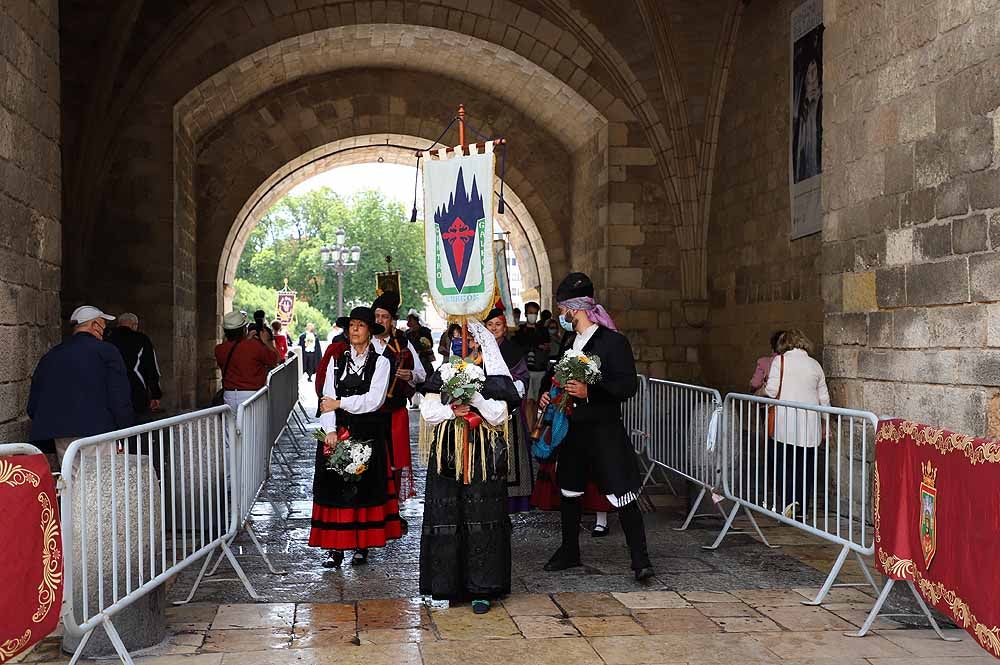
[493, 362]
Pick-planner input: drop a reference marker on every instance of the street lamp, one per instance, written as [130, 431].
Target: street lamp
[342, 259]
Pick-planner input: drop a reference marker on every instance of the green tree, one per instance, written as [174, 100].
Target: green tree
[287, 242]
[250, 297]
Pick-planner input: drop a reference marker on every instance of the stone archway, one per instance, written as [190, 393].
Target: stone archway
[524, 236]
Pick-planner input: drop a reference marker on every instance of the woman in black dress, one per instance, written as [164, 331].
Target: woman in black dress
[363, 514]
[465, 543]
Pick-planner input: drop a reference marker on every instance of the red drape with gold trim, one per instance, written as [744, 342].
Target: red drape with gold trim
[937, 521]
[31, 578]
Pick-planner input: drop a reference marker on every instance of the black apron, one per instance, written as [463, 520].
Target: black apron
[329, 489]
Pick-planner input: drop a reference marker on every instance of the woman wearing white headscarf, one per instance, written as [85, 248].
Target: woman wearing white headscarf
[465, 543]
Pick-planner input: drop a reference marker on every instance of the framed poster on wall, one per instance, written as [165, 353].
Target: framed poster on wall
[805, 141]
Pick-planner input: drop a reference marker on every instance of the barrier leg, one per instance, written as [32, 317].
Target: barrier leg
[753, 522]
[725, 529]
[876, 608]
[694, 509]
[283, 461]
[201, 575]
[286, 432]
[116, 640]
[239, 571]
[867, 572]
[927, 613]
[249, 529]
[80, 647]
[831, 578]
[299, 424]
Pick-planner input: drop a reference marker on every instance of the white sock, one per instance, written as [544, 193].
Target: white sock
[602, 519]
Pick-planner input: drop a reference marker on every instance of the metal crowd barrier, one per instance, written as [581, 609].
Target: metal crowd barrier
[811, 473]
[260, 421]
[139, 506]
[683, 425]
[11, 449]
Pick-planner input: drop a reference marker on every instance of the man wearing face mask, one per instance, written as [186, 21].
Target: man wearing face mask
[597, 448]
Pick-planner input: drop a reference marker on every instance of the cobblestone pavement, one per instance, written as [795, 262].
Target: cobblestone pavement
[739, 604]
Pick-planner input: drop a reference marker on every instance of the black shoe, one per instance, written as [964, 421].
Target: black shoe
[600, 531]
[335, 559]
[643, 574]
[559, 562]
[480, 606]
[404, 526]
[360, 557]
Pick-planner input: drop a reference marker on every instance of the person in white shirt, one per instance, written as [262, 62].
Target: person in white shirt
[798, 434]
[364, 513]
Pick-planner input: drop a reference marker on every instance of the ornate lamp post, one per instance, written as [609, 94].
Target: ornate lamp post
[342, 259]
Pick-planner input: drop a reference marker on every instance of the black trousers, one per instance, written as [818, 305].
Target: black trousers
[793, 476]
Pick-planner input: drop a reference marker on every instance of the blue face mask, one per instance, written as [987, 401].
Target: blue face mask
[566, 325]
[456, 346]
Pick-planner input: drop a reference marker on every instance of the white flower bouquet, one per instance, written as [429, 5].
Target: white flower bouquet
[460, 380]
[349, 458]
[578, 366]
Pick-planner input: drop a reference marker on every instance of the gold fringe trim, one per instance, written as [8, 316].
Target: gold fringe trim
[482, 440]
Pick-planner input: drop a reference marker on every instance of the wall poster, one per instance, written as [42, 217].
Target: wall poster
[805, 145]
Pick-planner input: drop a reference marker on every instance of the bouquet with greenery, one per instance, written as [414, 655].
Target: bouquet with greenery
[349, 458]
[578, 366]
[552, 423]
[460, 380]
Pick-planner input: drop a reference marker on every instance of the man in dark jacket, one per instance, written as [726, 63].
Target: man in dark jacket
[597, 448]
[79, 387]
[140, 363]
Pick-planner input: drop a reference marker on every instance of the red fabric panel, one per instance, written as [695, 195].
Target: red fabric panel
[31, 577]
[400, 439]
[357, 527]
[960, 579]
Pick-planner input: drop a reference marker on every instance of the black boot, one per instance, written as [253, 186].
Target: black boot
[635, 536]
[568, 554]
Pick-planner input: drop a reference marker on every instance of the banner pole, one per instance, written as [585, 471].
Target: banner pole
[461, 127]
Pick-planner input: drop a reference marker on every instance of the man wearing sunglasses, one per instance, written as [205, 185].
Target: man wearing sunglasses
[80, 387]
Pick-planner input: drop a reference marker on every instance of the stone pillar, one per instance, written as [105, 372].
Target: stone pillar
[30, 203]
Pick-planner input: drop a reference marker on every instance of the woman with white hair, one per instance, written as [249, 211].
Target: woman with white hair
[465, 545]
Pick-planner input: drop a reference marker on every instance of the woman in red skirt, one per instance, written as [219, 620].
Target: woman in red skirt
[362, 514]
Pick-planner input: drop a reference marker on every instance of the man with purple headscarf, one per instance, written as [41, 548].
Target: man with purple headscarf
[597, 448]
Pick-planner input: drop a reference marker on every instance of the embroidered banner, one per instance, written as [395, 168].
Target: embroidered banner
[937, 521]
[31, 575]
[286, 306]
[458, 230]
[805, 106]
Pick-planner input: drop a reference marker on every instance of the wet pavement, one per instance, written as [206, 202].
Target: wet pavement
[741, 603]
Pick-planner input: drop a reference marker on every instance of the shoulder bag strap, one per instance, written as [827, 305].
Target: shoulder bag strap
[781, 375]
[225, 368]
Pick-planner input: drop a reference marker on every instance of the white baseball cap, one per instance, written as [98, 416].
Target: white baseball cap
[88, 313]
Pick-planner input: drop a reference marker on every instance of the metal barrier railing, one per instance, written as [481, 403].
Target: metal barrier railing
[140, 505]
[11, 449]
[809, 469]
[261, 420]
[683, 425]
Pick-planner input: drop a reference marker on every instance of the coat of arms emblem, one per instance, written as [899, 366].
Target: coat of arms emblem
[928, 513]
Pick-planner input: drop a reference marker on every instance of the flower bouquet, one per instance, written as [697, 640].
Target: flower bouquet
[349, 458]
[460, 380]
[553, 421]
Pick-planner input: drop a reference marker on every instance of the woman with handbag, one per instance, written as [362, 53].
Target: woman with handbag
[795, 435]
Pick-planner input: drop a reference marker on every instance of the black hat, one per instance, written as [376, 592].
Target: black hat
[576, 285]
[389, 301]
[494, 313]
[366, 316]
[343, 322]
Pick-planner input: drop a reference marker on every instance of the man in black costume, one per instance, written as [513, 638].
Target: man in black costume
[597, 447]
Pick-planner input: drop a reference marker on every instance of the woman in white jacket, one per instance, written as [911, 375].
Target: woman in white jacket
[798, 434]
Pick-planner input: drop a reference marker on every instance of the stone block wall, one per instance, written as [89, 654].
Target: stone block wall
[910, 269]
[759, 279]
[30, 203]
